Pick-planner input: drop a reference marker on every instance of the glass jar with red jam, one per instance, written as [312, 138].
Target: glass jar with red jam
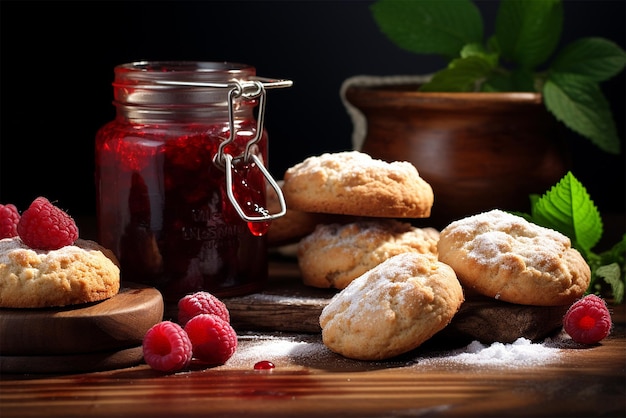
[180, 177]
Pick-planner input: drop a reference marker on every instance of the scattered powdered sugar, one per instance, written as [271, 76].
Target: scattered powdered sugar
[275, 348]
[519, 353]
[308, 350]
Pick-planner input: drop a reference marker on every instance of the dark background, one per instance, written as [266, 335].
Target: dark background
[57, 62]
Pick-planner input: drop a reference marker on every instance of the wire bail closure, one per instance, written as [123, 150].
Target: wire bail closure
[248, 90]
[231, 196]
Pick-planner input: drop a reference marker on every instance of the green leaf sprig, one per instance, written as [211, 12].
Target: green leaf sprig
[515, 58]
[567, 208]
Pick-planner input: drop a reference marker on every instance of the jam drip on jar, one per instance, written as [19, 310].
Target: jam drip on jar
[250, 193]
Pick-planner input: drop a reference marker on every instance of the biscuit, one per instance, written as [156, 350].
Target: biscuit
[293, 225]
[391, 309]
[505, 257]
[353, 183]
[335, 254]
[74, 274]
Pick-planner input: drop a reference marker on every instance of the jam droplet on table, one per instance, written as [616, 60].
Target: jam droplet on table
[264, 365]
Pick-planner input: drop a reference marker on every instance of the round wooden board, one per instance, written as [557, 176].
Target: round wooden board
[107, 326]
[75, 363]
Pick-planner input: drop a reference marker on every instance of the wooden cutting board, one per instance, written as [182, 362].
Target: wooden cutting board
[73, 363]
[287, 305]
[105, 333]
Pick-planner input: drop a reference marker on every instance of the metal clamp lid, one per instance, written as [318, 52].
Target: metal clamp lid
[252, 89]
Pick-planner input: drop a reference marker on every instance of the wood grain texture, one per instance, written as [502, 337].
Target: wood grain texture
[585, 381]
[116, 323]
[73, 363]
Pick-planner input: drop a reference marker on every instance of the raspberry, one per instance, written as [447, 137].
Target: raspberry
[9, 218]
[44, 226]
[214, 340]
[166, 347]
[588, 320]
[201, 303]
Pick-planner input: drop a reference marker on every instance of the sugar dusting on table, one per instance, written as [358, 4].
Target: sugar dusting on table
[275, 348]
[309, 350]
[519, 353]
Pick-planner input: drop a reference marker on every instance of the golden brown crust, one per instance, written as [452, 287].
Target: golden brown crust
[80, 273]
[503, 256]
[391, 309]
[293, 225]
[335, 254]
[353, 183]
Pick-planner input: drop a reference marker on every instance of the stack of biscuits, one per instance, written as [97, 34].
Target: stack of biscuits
[349, 215]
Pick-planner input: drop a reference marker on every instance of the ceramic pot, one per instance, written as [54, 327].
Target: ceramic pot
[478, 151]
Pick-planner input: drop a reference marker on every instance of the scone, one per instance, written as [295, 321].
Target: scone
[294, 224]
[334, 254]
[353, 183]
[505, 257]
[74, 274]
[391, 309]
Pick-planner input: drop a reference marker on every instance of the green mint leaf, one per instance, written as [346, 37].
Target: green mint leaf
[523, 80]
[498, 82]
[579, 103]
[529, 31]
[462, 75]
[567, 208]
[493, 44]
[429, 26]
[534, 198]
[617, 254]
[611, 274]
[477, 50]
[595, 58]
[517, 80]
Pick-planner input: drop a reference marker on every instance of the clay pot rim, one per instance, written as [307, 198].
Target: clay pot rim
[409, 91]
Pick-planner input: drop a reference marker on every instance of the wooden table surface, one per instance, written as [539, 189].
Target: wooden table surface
[310, 381]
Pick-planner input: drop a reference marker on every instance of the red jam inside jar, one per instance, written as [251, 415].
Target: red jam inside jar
[161, 195]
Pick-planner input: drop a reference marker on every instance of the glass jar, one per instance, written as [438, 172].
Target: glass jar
[180, 177]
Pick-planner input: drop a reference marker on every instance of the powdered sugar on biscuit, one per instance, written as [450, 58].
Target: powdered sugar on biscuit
[80, 273]
[348, 162]
[335, 254]
[81, 247]
[498, 235]
[392, 308]
[502, 255]
[353, 183]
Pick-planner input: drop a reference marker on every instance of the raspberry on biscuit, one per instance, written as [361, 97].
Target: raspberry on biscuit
[44, 226]
[9, 218]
